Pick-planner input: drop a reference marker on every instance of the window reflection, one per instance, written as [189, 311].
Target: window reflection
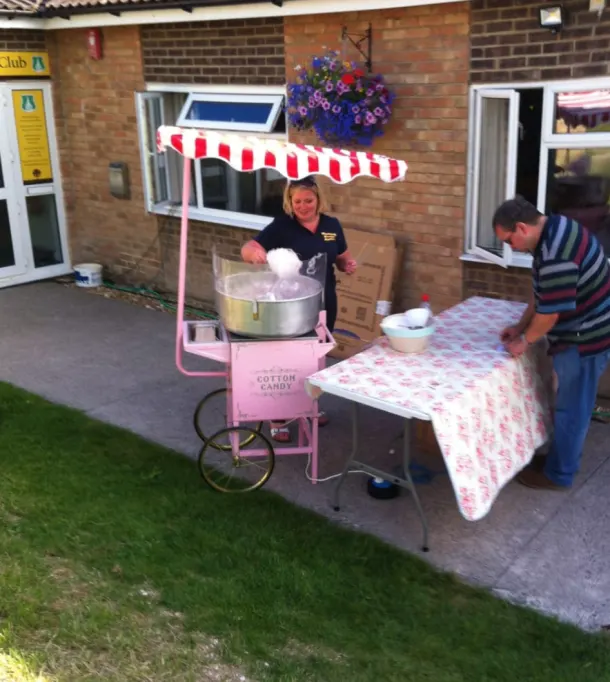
[579, 187]
[582, 112]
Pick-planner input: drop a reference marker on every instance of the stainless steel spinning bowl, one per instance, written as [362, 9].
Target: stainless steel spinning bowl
[242, 315]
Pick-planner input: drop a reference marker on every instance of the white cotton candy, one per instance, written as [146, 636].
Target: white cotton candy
[284, 263]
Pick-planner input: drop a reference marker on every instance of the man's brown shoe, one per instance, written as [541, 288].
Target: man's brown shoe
[532, 478]
[538, 462]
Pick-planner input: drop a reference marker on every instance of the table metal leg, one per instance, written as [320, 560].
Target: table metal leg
[407, 437]
[350, 459]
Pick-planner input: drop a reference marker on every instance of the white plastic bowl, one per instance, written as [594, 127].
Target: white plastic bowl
[403, 339]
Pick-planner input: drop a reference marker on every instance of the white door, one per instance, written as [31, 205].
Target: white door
[12, 259]
[31, 177]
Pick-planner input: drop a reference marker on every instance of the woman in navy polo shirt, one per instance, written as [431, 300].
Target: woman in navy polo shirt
[308, 231]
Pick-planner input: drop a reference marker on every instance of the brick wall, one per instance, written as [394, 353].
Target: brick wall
[423, 52]
[513, 284]
[96, 125]
[227, 52]
[237, 52]
[19, 39]
[509, 45]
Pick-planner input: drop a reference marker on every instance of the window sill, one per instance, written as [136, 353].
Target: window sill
[242, 221]
[519, 260]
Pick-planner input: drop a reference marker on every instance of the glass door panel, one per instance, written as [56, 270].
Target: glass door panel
[7, 253]
[44, 230]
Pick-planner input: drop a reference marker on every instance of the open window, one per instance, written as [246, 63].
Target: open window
[496, 137]
[219, 193]
[150, 117]
[246, 113]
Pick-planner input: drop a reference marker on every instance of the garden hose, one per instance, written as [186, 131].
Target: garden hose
[151, 293]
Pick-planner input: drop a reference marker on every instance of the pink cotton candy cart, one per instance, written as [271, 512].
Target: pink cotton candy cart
[265, 376]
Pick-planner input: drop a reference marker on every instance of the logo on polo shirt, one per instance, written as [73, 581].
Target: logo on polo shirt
[329, 236]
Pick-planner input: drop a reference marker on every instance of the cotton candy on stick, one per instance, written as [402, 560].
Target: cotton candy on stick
[284, 263]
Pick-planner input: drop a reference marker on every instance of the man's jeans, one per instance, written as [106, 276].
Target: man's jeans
[577, 379]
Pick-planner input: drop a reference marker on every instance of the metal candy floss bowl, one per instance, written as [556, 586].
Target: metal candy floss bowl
[271, 335]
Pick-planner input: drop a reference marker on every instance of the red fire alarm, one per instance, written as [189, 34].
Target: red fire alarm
[94, 43]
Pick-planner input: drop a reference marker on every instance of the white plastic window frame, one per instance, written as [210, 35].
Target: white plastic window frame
[148, 155]
[549, 140]
[275, 102]
[561, 140]
[170, 207]
[512, 96]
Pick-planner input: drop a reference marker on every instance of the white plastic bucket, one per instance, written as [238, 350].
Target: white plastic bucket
[88, 275]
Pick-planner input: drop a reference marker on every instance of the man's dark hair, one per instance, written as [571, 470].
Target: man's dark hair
[513, 211]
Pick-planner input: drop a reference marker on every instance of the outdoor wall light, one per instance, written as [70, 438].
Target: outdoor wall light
[552, 18]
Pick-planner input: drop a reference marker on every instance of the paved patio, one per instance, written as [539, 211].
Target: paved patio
[114, 361]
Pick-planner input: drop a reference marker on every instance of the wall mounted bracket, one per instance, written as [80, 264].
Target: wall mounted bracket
[363, 42]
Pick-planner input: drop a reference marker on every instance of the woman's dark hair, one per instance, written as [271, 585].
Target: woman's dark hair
[513, 211]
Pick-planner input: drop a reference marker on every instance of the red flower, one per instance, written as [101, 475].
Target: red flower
[348, 79]
[359, 73]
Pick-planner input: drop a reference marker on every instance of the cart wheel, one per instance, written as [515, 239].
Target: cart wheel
[214, 404]
[247, 470]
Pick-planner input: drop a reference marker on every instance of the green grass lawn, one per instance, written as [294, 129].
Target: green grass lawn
[118, 564]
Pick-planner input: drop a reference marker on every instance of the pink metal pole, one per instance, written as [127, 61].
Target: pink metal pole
[184, 229]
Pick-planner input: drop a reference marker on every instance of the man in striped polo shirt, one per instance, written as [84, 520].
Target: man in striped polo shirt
[570, 305]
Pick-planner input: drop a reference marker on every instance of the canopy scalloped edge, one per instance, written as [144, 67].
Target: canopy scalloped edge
[293, 161]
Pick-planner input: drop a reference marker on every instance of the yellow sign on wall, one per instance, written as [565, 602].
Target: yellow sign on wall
[24, 64]
[32, 136]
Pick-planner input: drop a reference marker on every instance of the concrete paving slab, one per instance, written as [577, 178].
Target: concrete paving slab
[115, 361]
[565, 568]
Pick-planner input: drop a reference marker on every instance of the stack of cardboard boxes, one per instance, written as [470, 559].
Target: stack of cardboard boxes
[365, 298]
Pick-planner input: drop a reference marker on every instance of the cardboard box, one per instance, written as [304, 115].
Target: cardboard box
[365, 297]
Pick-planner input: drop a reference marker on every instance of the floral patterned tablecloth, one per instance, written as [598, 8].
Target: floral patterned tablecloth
[489, 411]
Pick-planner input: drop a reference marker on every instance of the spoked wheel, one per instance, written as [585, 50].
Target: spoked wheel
[239, 469]
[213, 410]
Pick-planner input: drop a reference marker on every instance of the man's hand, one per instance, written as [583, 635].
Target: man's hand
[509, 334]
[516, 347]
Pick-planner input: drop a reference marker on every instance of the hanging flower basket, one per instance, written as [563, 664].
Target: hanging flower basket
[339, 101]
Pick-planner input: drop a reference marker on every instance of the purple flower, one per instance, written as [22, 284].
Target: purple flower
[370, 119]
[332, 65]
[312, 102]
[370, 92]
[336, 109]
[358, 119]
[303, 111]
[325, 104]
[341, 88]
[379, 87]
[355, 109]
[378, 112]
[329, 86]
[383, 99]
[317, 95]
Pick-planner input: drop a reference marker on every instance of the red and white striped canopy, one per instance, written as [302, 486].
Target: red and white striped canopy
[588, 109]
[293, 161]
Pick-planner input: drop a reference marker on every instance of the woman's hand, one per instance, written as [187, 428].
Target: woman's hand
[349, 267]
[253, 252]
[346, 264]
